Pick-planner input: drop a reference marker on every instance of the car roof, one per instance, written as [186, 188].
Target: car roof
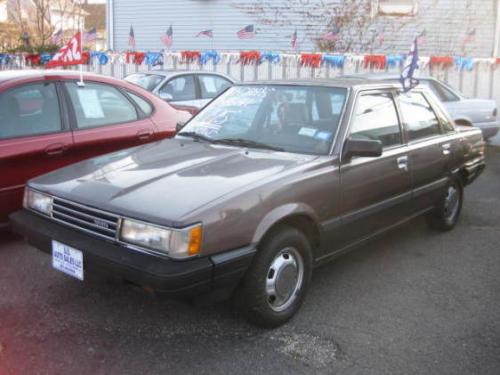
[14, 75]
[340, 82]
[378, 76]
[172, 72]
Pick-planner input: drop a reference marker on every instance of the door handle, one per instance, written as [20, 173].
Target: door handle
[144, 135]
[55, 149]
[446, 148]
[403, 163]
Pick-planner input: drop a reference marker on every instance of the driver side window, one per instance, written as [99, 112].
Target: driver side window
[180, 88]
[376, 119]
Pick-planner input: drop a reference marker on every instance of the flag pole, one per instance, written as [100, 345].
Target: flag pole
[81, 83]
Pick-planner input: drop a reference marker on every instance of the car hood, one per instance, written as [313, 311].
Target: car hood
[163, 182]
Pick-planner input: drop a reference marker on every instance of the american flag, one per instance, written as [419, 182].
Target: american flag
[295, 42]
[410, 69]
[168, 38]
[247, 32]
[57, 37]
[131, 38]
[90, 36]
[208, 33]
[332, 35]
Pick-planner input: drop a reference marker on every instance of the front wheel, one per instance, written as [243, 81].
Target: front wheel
[447, 211]
[275, 285]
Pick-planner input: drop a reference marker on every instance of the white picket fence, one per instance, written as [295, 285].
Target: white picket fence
[483, 81]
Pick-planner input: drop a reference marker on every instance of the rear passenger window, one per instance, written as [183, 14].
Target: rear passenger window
[143, 104]
[212, 85]
[99, 105]
[419, 118]
[376, 118]
[29, 110]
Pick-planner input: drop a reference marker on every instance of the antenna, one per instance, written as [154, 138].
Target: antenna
[81, 83]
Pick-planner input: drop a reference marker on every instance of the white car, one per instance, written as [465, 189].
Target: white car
[184, 88]
[481, 113]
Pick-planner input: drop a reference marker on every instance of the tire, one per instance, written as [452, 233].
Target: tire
[275, 285]
[444, 218]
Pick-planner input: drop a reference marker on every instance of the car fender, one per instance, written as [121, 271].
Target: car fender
[280, 214]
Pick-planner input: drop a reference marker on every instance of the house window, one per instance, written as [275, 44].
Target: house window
[394, 7]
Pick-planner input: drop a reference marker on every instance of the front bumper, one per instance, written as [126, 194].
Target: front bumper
[187, 277]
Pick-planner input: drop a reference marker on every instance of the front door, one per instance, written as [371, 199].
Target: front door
[376, 191]
[33, 140]
[181, 91]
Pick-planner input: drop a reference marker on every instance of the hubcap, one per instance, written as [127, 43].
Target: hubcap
[451, 203]
[284, 279]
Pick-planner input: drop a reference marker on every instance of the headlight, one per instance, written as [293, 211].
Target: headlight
[37, 201]
[177, 243]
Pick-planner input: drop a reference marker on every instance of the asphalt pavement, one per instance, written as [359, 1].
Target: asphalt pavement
[412, 302]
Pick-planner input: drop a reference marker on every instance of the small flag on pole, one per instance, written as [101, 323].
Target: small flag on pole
[208, 33]
[168, 38]
[248, 32]
[294, 41]
[410, 68]
[332, 35]
[90, 36]
[131, 38]
[70, 54]
[57, 37]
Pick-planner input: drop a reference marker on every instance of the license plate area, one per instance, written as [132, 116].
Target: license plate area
[67, 259]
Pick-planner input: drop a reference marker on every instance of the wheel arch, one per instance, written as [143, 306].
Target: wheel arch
[463, 121]
[299, 216]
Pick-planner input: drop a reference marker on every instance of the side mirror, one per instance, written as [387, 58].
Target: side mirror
[179, 126]
[165, 96]
[362, 147]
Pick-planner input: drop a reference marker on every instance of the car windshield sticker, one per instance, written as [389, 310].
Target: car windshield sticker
[90, 104]
[323, 135]
[309, 132]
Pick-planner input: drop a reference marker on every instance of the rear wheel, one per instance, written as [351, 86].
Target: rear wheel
[447, 211]
[275, 285]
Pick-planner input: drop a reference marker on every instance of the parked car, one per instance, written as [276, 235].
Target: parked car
[482, 113]
[191, 88]
[250, 201]
[48, 121]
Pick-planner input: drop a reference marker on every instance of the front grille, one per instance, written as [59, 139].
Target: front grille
[85, 218]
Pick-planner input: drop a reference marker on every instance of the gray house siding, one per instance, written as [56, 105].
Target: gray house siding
[445, 22]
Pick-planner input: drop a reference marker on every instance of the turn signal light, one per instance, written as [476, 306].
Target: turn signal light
[194, 245]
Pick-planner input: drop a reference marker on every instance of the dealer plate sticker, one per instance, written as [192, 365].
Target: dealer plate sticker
[67, 259]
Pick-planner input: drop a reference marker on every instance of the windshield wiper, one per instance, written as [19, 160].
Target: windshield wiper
[196, 136]
[248, 143]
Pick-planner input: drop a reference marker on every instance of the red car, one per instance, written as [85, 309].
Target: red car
[47, 120]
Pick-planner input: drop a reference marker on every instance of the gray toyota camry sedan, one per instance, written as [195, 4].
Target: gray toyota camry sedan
[267, 182]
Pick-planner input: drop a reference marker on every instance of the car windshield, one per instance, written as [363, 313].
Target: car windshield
[298, 119]
[146, 81]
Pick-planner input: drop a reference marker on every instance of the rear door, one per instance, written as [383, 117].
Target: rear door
[34, 139]
[376, 191]
[429, 150]
[105, 119]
